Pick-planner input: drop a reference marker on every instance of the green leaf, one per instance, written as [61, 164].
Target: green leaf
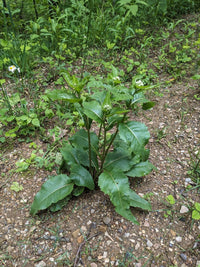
[83, 157]
[139, 98]
[80, 140]
[133, 9]
[69, 155]
[127, 214]
[73, 156]
[115, 184]
[81, 177]
[22, 165]
[62, 95]
[117, 160]
[16, 187]
[74, 82]
[170, 199]
[140, 169]
[2, 81]
[148, 105]
[196, 215]
[53, 190]
[135, 134]
[60, 204]
[36, 122]
[78, 191]
[197, 206]
[124, 2]
[136, 201]
[93, 110]
[141, 2]
[196, 77]
[2, 139]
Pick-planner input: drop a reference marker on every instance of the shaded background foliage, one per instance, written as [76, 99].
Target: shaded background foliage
[67, 29]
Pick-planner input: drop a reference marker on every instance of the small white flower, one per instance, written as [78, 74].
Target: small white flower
[139, 83]
[18, 69]
[12, 68]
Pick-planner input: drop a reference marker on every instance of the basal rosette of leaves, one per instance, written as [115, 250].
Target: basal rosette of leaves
[108, 151]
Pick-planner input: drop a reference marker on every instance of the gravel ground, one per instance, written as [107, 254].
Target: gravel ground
[88, 231]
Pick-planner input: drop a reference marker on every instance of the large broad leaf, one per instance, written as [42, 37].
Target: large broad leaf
[62, 95]
[78, 156]
[118, 160]
[53, 190]
[93, 110]
[83, 157]
[117, 96]
[135, 134]
[127, 214]
[140, 169]
[80, 140]
[60, 204]
[115, 118]
[139, 98]
[133, 9]
[116, 185]
[81, 177]
[136, 201]
[148, 105]
[69, 154]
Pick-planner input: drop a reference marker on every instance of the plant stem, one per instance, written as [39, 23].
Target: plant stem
[89, 146]
[105, 151]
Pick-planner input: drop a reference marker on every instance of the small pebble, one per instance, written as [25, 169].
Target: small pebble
[146, 224]
[93, 264]
[183, 256]
[179, 239]
[184, 209]
[137, 246]
[188, 180]
[106, 220]
[40, 264]
[126, 234]
[149, 244]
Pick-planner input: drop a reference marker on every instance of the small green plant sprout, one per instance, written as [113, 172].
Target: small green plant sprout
[170, 199]
[21, 165]
[109, 150]
[15, 186]
[196, 211]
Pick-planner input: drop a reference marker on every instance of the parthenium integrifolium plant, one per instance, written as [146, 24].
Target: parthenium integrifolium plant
[109, 149]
